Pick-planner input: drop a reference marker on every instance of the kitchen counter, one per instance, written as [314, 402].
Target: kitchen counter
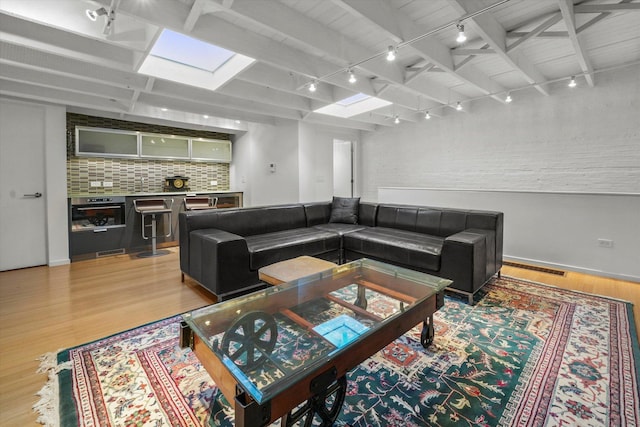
[100, 241]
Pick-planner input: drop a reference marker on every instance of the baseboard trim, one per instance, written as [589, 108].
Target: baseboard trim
[57, 262]
[592, 272]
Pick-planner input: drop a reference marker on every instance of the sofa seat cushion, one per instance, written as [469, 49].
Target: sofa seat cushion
[341, 229]
[397, 246]
[269, 248]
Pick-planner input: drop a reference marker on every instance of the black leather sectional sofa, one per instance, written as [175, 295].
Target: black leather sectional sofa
[223, 249]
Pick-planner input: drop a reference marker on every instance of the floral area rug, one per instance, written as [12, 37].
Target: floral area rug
[525, 354]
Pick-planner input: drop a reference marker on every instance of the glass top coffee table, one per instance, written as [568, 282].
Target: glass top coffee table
[284, 352]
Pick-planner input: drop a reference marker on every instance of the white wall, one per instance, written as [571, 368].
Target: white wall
[254, 151]
[583, 140]
[56, 180]
[316, 160]
[565, 169]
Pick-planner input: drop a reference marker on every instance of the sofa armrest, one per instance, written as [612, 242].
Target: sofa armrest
[220, 261]
[464, 259]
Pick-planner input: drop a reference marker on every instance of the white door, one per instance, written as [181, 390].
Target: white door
[342, 168]
[22, 198]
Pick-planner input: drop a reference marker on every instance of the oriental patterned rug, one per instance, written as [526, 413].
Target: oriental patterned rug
[525, 355]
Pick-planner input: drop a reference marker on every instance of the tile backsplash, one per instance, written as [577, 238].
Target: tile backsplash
[130, 176]
[140, 176]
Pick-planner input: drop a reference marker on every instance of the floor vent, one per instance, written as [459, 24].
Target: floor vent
[110, 252]
[535, 268]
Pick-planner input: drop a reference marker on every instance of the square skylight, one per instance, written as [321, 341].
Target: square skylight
[183, 59]
[353, 105]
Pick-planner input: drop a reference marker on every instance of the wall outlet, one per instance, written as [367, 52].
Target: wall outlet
[107, 183]
[213, 182]
[95, 184]
[605, 243]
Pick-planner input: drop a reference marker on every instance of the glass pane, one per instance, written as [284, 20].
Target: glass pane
[209, 149]
[106, 142]
[258, 337]
[165, 146]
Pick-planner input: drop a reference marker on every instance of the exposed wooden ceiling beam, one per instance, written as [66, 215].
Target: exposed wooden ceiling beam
[542, 35]
[494, 33]
[599, 8]
[566, 7]
[401, 27]
[465, 52]
[315, 37]
[533, 33]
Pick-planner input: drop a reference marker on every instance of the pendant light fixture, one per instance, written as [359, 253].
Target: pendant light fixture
[572, 82]
[352, 77]
[459, 106]
[396, 120]
[391, 54]
[313, 86]
[427, 115]
[462, 37]
[508, 99]
[93, 14]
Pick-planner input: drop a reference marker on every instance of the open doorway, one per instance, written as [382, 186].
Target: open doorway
[342, 168]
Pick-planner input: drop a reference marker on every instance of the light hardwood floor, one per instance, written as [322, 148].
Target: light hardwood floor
[46, 309]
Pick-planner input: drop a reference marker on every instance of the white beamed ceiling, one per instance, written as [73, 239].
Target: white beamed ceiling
[50, 52]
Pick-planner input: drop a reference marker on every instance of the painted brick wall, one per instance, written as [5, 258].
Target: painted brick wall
[135, 176]
[575, 140]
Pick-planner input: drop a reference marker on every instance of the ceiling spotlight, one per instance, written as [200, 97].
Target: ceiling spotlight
[93, 14]
[391, 53]
[427, 115]
[205, 116]
[313, 86]
[461, 35]
[508, 99]
[459, 106]
[396, 120]
[163, 109]
[572, 82]
[352, 77]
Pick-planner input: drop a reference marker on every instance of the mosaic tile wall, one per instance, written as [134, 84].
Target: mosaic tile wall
[131, 176]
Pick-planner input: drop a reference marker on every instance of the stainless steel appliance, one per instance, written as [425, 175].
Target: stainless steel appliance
[97, 213]
[97, 226]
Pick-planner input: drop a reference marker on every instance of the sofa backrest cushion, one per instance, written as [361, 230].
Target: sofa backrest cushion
[260, 220]
[367, 214]
[440, 222]
[452, 222]
[399, 217]
[317, 213]
[428, 221]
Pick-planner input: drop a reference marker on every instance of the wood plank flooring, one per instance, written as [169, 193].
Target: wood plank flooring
[46, 309]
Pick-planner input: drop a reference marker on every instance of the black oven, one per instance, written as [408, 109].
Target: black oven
[97, 227]
[97, 213]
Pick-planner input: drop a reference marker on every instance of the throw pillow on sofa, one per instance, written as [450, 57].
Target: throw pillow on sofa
[345, 210]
